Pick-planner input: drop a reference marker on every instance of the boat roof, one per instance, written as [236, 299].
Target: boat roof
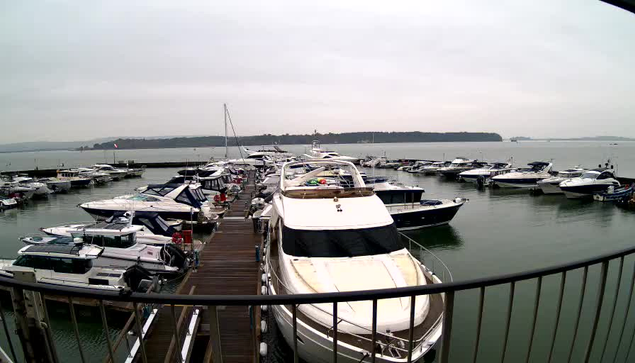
[62, 250]
[539, 163]
[334, 213]
[119, 226]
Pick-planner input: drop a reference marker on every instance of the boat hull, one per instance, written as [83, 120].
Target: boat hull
[102, 214]
[81, 183]
[424, 216]
[517, 183]
[583, 191]
[550, 188]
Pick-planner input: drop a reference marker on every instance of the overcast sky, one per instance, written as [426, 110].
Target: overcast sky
[79, 70]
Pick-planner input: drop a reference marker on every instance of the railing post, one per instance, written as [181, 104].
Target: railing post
[374, 332]
[533, 325]
[447, 326]
[512, 290]
[214, 335]
[294, 313]
[598, 311]
[628, 309]
[411, 329]
[335, 332]
[177, 336]
[76, 329]
[577, 320]
[479, 322]
[142, 344]
[104, 323]
[615, 297]
[563, 281]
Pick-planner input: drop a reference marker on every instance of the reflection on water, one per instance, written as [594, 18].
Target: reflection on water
[442, 237]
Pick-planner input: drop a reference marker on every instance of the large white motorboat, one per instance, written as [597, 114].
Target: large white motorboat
[120, 247]
[487, 172]
[115, 174]
[154, 231]
[72, 265]
[39, 189]
[318, 153]
[526, 177]
[458, 166]
[184, 202]
[323, 237]
[552, 185]
[15, 190]
[589, 183]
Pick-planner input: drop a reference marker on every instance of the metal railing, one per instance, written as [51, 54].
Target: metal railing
[600, 317]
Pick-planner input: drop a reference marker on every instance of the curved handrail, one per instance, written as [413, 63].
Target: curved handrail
[243, 300]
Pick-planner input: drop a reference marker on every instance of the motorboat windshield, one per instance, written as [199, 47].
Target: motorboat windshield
[341, 243]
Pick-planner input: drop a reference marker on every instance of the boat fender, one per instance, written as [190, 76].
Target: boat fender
[263, 290]
[264, 307]
[263, 278]
[263, 326]
[263, 349]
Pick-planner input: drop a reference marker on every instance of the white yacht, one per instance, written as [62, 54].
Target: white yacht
[39, 189]
[433, 168]
[552, 185]
[120, 247]
[458, 166]
[325, 237]
[183, 202]
[72, 265]
[489, 171]
[115, 174]
[589, 183]
[98, 177]
[526, 177]
[16, 190]
[57, 185]
[154, 230]
[318, 153]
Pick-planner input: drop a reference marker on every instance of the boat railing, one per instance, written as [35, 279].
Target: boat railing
[576, 311]
[394, 344]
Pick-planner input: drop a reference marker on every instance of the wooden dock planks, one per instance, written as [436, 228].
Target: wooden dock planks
[227, 267]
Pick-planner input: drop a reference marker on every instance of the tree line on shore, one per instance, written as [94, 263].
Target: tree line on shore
[287, 139]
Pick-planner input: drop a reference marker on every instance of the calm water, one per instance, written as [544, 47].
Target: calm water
[497, 232]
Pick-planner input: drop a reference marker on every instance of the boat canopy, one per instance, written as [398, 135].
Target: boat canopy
[341, 243]
[151, 220]
[181, 193]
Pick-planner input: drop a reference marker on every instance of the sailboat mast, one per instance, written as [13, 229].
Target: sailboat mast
[225, 113]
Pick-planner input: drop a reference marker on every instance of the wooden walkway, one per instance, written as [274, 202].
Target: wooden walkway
[227, 267]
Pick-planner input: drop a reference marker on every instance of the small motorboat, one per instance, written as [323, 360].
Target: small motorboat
[75, 177]
[409, 211]
[591, 182]
[40, 190]
[98, 177]
[458, 166]
[613, 194]
[8, 203]
[433, 168]
[489, 171]
[552, 185]
[57, 185]
[120, 247]
[114, 173]
[526, 177]
[72, 264]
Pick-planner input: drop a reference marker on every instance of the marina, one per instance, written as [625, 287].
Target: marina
[228, 265]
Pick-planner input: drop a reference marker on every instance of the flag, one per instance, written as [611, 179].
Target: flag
[116, 147]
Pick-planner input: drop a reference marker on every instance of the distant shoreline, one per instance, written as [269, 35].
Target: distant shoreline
[367, 137]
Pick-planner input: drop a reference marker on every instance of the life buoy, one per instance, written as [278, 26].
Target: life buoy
[177, 238]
